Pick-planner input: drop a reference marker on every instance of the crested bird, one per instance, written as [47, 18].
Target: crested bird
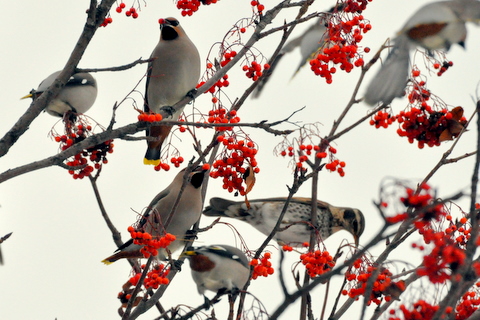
[218, 268]
[172, 74]
[435, 26]
[155, 219]
[77, 96]
[295, 226]
[310, 42]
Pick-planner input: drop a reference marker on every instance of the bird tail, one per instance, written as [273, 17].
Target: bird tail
[220, 207]
[391, 79]
[123, 255]
[152, 156]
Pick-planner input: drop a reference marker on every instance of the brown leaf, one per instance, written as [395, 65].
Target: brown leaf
[454, 127]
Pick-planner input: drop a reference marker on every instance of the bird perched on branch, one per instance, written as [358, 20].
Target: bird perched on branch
[218, 268]
[77, 96]
[172, 74]
[155, 220]
[310, 42]
[295, 227]
[435, 26]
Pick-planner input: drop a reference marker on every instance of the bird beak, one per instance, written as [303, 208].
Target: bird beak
[189, 253]
[27, 96]
[356, 239]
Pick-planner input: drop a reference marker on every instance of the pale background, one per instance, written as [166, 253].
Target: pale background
[52, 261]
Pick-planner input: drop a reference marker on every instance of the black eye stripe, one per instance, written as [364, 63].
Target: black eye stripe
[173, 23]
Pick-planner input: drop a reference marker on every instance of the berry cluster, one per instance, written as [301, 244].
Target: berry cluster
[177, 161]
[422, 203]
[356, 5]
[221, 83]
[106, 21]
[188, 7]
[444, 259]
[317, 262]
[222, 116]
[256, 4]
[150, 245]
[306, 150]
[443, 67]
[227, 57]
[420, 310]
[149, 117]
[428, 125]
[96, 155]
[341, 44]
[262, 268]
[383, 286]
[132, 12]
[469, 303]
[156, 277]
[382, 119]
[232, 163]
[120, 7]
[254, 71]
[162, 166]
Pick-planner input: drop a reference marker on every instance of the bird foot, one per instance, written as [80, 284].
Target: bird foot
[191, 235]
[177, 265]
[191, 93]
[168, 110]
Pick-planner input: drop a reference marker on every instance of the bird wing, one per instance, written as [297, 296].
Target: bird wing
[152, 205]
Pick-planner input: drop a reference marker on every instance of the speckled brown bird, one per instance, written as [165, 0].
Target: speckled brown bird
[263, 215]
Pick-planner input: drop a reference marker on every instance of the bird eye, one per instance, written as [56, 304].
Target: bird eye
[348, 214]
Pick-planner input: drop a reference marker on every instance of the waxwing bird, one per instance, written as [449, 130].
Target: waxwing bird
[437, 25]
[218, 267]
[187, 213]
[172, 74]
[312, 40]
[296, 227]
[77, 96]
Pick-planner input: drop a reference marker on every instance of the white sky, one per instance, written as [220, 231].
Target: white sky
[52, 261]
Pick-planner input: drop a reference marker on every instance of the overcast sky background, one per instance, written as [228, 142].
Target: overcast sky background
[52, 261]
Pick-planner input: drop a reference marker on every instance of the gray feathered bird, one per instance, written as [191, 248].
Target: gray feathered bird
[218, 267]
[263, 215]
[77, 96]
[172, 74]
[187, 213]
[437, 25]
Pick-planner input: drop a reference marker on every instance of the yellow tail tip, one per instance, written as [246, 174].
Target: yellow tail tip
[107, 262]
[153, 162]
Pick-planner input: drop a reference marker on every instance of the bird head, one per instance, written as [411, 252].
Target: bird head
[196, 177]
[351, 220]
[33, 94]
[170, 28]
[198, 261]
[355, 223]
